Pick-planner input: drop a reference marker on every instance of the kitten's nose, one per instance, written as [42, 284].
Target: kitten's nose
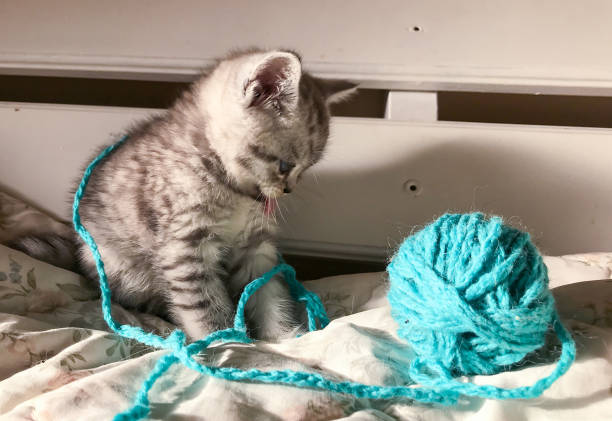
[287, 190]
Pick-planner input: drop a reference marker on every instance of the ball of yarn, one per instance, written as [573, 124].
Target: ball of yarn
[470, 295]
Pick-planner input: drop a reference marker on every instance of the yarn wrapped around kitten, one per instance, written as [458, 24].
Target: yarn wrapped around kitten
[470, 295]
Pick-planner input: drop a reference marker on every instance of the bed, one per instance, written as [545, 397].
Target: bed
[60, 361]
[382, 178]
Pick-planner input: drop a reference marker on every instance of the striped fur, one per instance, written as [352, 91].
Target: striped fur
[178, 209]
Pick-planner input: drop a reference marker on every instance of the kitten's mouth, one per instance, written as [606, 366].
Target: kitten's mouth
[268, 202]
[269, 206]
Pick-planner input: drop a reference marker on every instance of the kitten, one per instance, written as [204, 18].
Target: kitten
[181, 210]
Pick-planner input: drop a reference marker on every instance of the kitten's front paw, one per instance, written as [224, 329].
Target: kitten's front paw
[221, 318]
[204, 324]
[274, 315]
[286, 326]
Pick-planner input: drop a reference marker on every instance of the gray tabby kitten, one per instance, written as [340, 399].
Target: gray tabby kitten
[180, 210]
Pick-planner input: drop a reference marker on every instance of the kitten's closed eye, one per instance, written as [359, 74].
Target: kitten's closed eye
[285, 167]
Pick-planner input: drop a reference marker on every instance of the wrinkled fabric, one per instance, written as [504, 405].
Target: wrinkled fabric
[59, 362]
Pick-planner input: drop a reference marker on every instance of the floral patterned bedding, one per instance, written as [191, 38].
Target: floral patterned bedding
[59, 362]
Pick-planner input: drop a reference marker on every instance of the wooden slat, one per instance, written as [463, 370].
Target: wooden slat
[548, 46]
[556, 182]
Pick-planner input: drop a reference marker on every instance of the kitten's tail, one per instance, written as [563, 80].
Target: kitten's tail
[55, 249]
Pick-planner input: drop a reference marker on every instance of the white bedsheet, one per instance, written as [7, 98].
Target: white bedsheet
[58, 361]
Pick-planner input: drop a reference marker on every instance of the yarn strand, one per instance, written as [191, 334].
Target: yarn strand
[411, 303]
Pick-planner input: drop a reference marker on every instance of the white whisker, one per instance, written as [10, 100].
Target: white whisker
[274, 212]
[280, 211]
[263, 210]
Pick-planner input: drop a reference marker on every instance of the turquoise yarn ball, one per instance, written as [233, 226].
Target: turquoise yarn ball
[470, 295]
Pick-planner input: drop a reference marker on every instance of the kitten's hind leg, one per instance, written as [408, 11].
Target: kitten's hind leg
[198, 299]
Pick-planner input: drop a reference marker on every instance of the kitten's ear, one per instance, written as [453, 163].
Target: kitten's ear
[336, 90]
[274, 81]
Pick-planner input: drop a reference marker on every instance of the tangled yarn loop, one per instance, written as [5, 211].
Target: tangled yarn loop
[470, 295]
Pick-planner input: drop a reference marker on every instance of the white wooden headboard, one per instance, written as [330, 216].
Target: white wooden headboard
[556, 181]
[547, 46]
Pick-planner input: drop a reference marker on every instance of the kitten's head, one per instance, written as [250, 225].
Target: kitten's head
[267, 119]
